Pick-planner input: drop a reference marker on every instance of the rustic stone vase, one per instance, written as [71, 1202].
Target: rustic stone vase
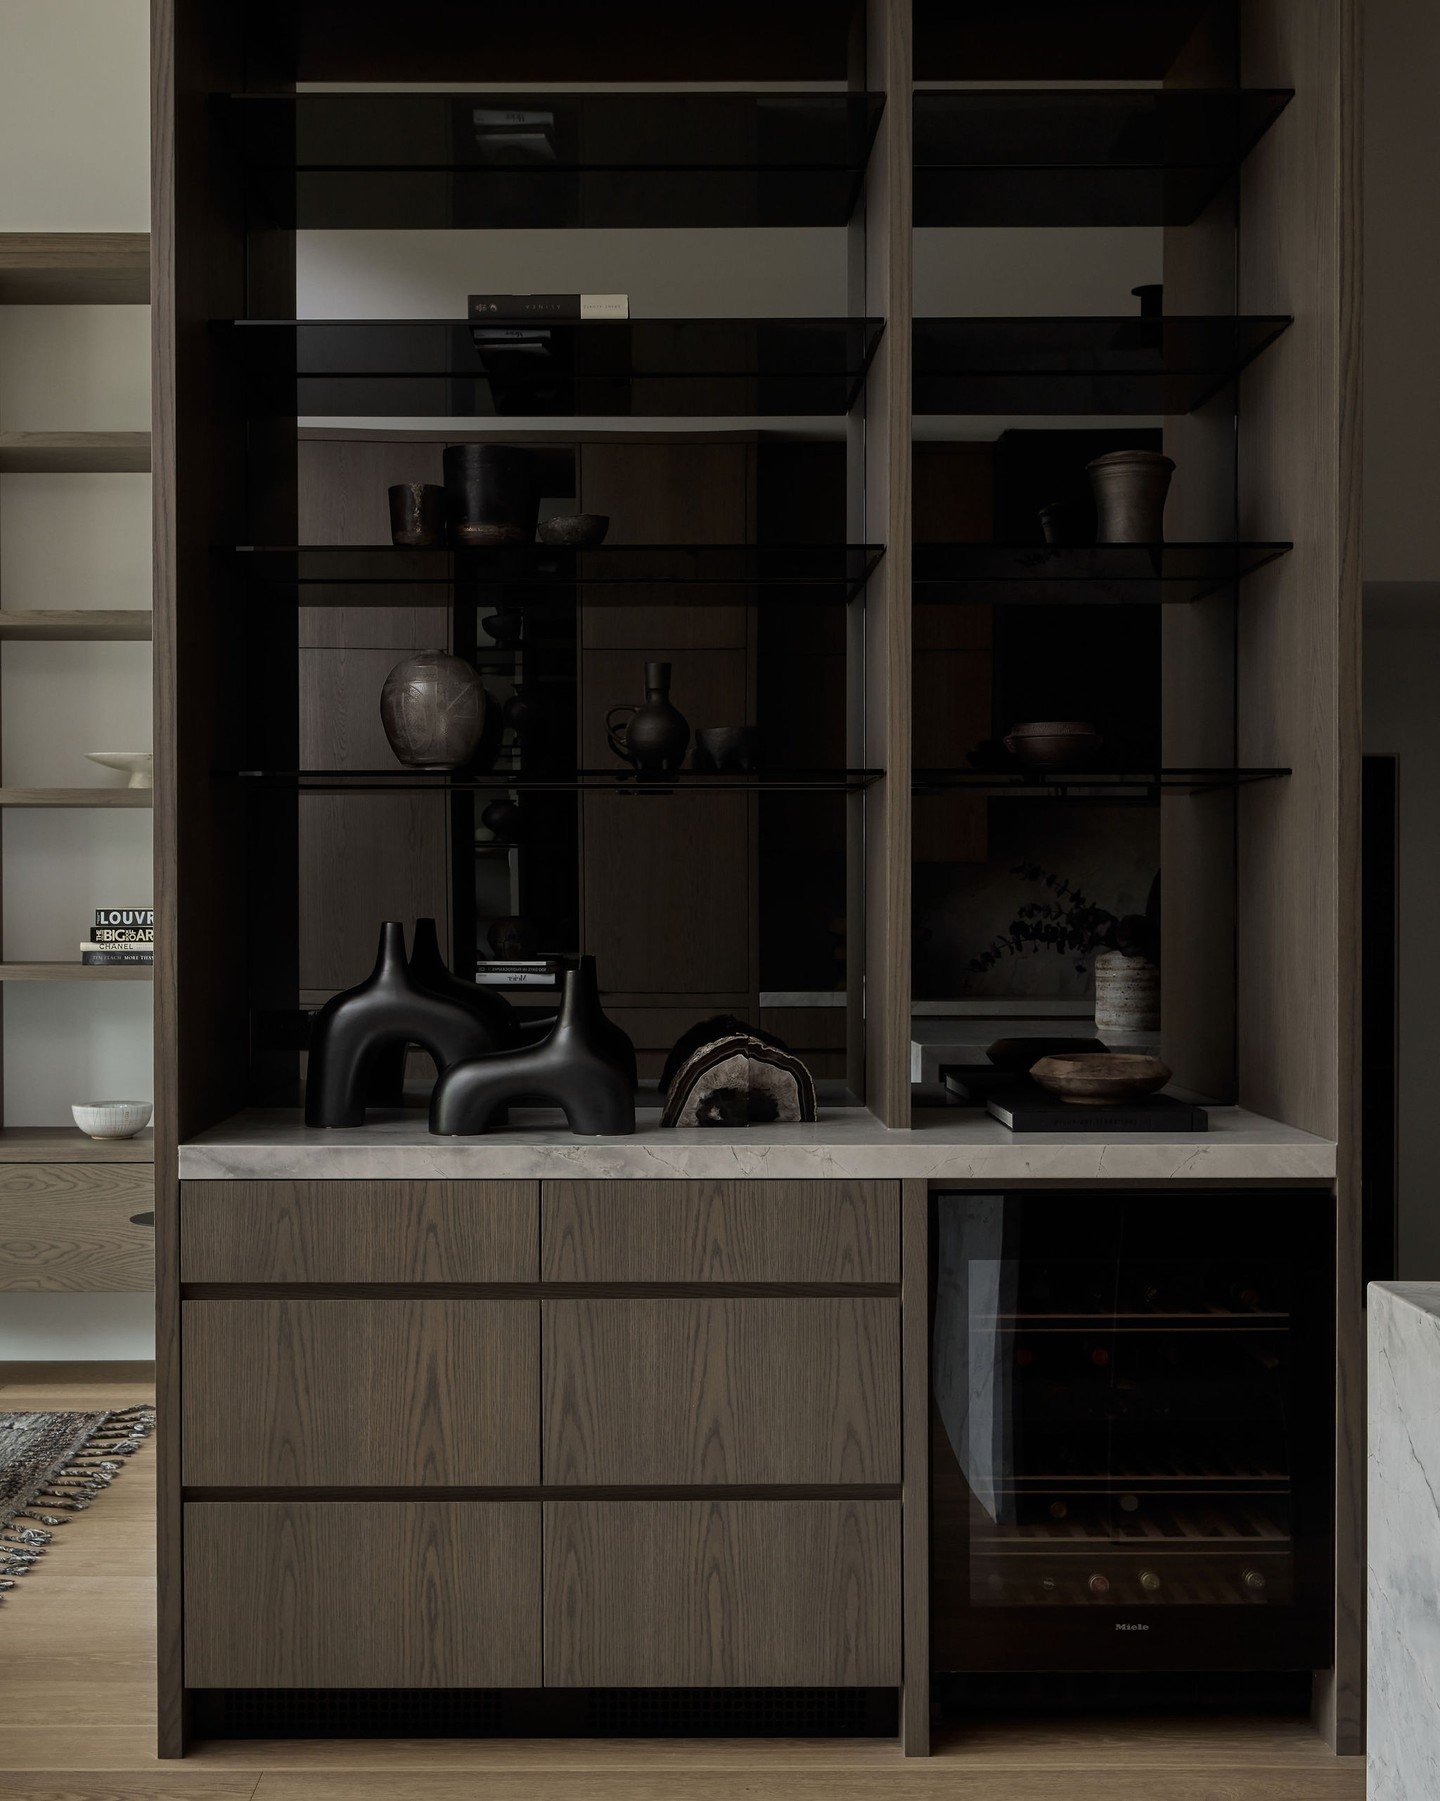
[433, 708]
[1130, 488]
[1127, 993]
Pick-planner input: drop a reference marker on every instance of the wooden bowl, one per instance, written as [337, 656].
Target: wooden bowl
[1053, 743]
[1102, 1079]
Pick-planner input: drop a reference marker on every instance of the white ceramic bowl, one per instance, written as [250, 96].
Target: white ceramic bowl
[112, 1119]
[139, 765]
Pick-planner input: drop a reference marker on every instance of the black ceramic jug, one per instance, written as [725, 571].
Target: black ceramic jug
[358, 1035]
[571, 1069]
[655, 736]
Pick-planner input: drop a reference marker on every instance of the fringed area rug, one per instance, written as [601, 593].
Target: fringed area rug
[53, 1465]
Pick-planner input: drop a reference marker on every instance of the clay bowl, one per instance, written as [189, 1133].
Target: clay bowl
[1053, 743]
[1101, 1079]
[573, 531]
[1020, 1055]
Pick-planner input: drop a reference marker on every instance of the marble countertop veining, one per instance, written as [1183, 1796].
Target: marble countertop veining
[1403, 1541]
[949, 1144]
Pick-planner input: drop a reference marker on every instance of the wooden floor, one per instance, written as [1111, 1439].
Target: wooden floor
[77, 1713]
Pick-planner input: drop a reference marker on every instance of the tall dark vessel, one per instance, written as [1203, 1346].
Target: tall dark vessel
[358, 1034]
[429, 968]
[573, 1068]
[610, 1038]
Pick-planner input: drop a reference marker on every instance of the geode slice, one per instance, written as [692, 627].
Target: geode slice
[739, 1080]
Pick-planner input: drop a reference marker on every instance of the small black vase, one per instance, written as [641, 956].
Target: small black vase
[358, 1034]
[571, 1068]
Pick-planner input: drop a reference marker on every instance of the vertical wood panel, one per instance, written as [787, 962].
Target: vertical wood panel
[372, 1594]
[361, 1393]
[716, 1594]
[915, 1498]
[1299, 913]
[728, 1393]
[886, 513]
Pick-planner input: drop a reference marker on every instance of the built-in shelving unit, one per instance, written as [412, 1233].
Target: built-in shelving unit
[74, 452]
[1083, 365]
[76, 626]
[69, 268]
[1092, 575]
[1082, 156]
[381, 161]
[75, 1214]
[650, 368]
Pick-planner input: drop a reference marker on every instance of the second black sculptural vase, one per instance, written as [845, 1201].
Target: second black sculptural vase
[572, 1068]
[490, 1008]
[610, 1038]
[358, 1035]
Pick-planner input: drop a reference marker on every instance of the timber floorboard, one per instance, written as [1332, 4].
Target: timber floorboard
[77, 1721]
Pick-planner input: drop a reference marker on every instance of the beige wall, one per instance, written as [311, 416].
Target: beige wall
[74, 144]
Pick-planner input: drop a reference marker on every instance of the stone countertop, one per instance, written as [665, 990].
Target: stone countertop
[1403, 1531]
[950, 1144]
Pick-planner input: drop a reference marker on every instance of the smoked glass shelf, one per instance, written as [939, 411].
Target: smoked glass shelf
[600, 160]
[647, 368]
[663, 574]
[1096, 574]
[1083, 365]
[1056, 157]
[1076, 783]
[615, 781]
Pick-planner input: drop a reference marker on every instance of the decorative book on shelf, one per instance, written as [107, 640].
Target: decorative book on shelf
[1027, 1108]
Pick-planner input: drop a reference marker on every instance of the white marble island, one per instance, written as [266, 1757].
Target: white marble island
[1404, 1542]
[953, 1144]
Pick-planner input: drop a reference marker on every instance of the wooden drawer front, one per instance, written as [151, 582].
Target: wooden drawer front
[720, 1232]
[373, 1393]
[722, 1392]
[68, 1226]
[722, 1593]
[358, 1231]
[362, 1594]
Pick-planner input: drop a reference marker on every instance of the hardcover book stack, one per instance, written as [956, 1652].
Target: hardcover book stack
[121, 935]
[518, 972]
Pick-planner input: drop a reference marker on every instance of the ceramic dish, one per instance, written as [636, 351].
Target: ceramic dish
[573, 531]
[1101, 1079]
[1052, 743]
[112, 1119]
[139, 765]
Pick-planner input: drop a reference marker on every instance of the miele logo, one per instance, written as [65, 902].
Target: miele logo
[1131, 1626]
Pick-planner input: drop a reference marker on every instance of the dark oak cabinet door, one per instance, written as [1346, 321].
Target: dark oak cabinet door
[362, 1594]
[721, 1593]
[696, 1231]
[358, 1231]
[726, 1392]
[370, 1393]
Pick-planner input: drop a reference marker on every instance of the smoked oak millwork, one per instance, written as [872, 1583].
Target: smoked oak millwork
[704, 1594]
[74, 452]
[362, 1594]
[70, 1227]
[792, 1232]
[360, 1393]
[1299, 649]
[915, 1456]
[263, 1232]
[74, 268]
[76, 625]
[729, 1393]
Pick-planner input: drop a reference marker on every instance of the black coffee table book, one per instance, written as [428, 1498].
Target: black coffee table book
[1024, 1107]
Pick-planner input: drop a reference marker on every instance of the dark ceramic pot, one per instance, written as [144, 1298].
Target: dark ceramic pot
[655, 736]
[433, 707]
[573, 531]
[732, 747]
[1130, 488]
[571, 1068]
[505, 627]
[358, 1036]
[491, 493]
[505, 820]
[417, 515]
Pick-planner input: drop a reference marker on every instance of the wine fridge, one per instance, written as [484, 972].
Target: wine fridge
[1132, 1424]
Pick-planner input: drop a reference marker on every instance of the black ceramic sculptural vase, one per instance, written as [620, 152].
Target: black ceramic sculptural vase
[609, 1038]
[574, 1067]
[359, 1038]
